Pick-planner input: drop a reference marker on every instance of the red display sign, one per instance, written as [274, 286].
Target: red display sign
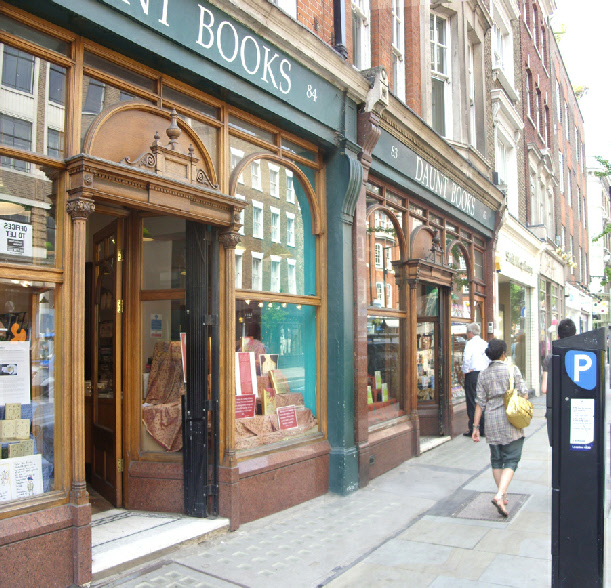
[287, 417]
[245, 406]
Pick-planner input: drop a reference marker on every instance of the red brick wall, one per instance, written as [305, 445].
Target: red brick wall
[317, 15]
[533, 61]
[381, 36]
[413, 89]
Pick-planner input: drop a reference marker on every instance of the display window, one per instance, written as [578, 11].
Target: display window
[516, 326]
[164, 320]
[277, 295]
[385, 314]
[33, 73]
[27, 389]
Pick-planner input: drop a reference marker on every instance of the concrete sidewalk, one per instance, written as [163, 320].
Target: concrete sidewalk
[428, 522]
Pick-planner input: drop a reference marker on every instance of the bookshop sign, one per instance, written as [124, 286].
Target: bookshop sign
[407, 162]
[204, 29]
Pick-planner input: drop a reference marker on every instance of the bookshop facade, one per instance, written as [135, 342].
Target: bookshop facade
[424, 272]
[163, 273]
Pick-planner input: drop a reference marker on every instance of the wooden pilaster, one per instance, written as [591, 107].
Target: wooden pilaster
[79, 209]
[229, 240]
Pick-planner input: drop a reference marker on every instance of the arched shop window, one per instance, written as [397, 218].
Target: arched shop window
[385, 315]
[461, 286]
[461, 312]
[277, 304]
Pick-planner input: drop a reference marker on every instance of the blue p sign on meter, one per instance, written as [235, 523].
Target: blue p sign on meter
[581, 368]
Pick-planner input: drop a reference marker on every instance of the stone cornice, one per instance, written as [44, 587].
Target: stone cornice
[272, 24]
[412, 131]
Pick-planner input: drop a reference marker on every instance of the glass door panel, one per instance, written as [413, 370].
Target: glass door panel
[426, 365]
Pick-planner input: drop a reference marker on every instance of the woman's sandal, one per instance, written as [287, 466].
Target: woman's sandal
[498, 503]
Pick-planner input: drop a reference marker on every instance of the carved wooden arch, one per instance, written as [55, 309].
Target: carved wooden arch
[415, 234]
[303, 180]
[395, 222]
[143, 117]
[465, 253]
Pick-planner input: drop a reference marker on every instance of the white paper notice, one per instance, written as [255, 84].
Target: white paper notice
[15, 372]
[20, 477]
[27, 472]
[582, 424]
[15, 238]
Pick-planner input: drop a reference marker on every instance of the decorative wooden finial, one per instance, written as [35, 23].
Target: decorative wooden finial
[173, 132]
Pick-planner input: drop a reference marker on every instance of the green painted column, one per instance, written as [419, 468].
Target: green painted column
[344, 181]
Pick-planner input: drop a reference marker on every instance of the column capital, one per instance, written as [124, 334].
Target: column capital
[229, 239]
[80, 208]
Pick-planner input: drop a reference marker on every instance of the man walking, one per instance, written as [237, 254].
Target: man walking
[473, 362]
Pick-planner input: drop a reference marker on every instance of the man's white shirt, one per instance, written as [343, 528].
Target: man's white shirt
[474, 359]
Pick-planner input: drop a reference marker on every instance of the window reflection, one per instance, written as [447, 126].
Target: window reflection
[27, 207]
[383, 248]
[277, 249]
[32, 106]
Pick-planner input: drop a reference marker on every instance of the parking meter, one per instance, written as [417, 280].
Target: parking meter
[578, 453]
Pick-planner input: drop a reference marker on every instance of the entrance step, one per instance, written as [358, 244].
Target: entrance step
[123, 538]
[428, 443]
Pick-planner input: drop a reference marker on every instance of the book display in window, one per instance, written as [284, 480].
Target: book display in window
[260, 371]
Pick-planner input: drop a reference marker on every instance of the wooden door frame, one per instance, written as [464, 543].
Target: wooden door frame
[116, 226]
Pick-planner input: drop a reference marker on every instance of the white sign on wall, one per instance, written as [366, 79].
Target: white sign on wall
[15, 238]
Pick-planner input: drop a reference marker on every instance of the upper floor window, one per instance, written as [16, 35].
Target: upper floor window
[558, 103]
[568, 188]
[529, 92]
[398, 49]
[274, 180]
[275, 224]
[440, 70]
[290, 190]
[255, 175]
[236, 157]
[55, 143]
[289, 6]
[15, 132]
[94, 97]
[561, 170]
[472, 114]
[290, 229]
[257, 219]
[238, 268]
[18, 70]
[378, 255]
[361, 51]
[57, 84]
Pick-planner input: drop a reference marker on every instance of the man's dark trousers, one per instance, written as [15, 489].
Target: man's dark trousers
[470, 393]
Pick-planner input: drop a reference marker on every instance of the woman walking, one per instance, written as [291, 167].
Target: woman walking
[504, 439]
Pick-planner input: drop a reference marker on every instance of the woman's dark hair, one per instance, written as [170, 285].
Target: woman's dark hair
[496, 348]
